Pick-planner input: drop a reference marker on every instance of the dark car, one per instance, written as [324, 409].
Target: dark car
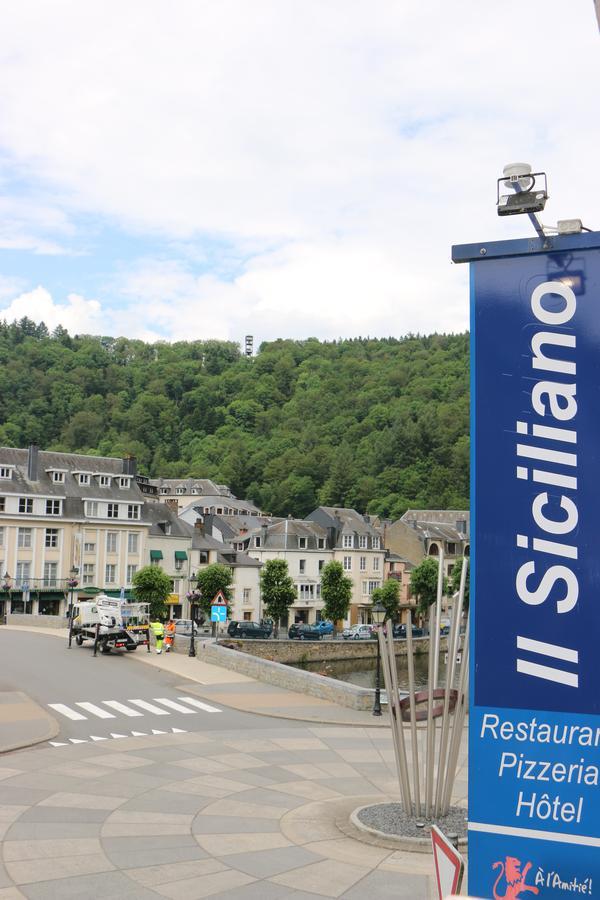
[399, 631]
[301, 632]
[249, 630]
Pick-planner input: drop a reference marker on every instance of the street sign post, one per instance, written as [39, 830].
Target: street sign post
[534, 732]
[449, 864]
[218, 609]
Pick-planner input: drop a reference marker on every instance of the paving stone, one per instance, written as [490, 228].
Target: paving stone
[241, 842]
[244, 810]
[147, 843]
[34, 831]
[135, 859]
[208, 886]
[152, 876]
[45, 869]
[168, 801]
[327, 878]
[112, 885]
[264, 863]
[257, 890]
[383, 885]
[215, 824]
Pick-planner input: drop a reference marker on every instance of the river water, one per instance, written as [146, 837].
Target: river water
[362, 671]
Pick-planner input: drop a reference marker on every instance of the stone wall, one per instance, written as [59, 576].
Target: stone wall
[320, 651]
[37, 621]
[283, 676]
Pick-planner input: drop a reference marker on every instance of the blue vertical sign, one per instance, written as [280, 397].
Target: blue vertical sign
[534, 729]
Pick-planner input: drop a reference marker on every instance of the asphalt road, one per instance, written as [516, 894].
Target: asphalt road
[98, 698]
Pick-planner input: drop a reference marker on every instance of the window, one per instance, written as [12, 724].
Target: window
[133, 511]
[180, 490]
[132, 542]
[347, 540]
[363, 564]
[89, 547]
[365, 588]
[376, 543]
[84, 478]
[5, 472]
[194, 490]
[113, 511]
[2, 503]
[247, 595]
[376, 564]
[362, 541]
[111, 574]
[91, 508]
[302, 543]
[53, 507]
[347, 563]
[307, 591]
[88, 573]
[50, 573]
[451, 549]
[321, 564]
[58, 477]
[318, 592]
[25, 505]
[131, 570]
[203, 557]
[24, 538]
[257, 542]
[23, 570]
[164, 490]
[1, 539]
[111, 541]
[321, 543]
[302, 566]
[104, 480]
[124, 482]
[51, 539]
[373, 585]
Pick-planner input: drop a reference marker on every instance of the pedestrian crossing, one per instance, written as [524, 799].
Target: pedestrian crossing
[134, 708]
[93, 738]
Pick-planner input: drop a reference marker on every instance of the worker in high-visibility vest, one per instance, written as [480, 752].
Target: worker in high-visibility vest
[158, 629]
[169, 635]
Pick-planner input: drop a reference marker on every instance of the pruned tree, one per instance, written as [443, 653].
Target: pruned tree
[389, 596]
[277, 589]
[336, 591]
[152, 585]
[423, 583]
[212, 579]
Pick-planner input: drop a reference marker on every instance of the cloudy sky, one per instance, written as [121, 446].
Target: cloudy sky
[285, 168]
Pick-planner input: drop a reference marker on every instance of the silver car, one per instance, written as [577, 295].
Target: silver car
[358, 633]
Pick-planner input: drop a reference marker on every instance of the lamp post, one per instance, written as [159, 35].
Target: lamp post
[71, 584]
[6, 588]
[193, 597]
[378, 613]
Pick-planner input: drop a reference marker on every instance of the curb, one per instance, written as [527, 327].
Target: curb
[52, 728]
[402, 842]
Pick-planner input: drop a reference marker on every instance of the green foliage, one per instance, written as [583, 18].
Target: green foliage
[152, 585]
[423, 583]
[336, 591]
[454, 580]
[211, 580]
[380, 425]
[389, 596]
[277, 588]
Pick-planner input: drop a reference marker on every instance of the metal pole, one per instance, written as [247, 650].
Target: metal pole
[413, 714]
[70, 618]
[452, 652]
[192, 651]
[438, 617]
[399, 723]
[96, 638]
[396, 717]
[458, 721]
[377, 704]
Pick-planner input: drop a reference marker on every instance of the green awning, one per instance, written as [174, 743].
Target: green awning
[180, 554]
[129, 595]
[50, 595]
[156, 554]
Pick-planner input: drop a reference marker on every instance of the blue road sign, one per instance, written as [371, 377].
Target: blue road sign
[534, 732]
[218, 613]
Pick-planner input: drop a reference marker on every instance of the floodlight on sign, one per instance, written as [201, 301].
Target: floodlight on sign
[528, 197]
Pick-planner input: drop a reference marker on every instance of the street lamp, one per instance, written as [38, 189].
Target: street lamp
[193, 597]
[6, 588]
[71, 584]
[378, 613]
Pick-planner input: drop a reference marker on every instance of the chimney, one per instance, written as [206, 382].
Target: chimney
[32, 462]
[129, 465]
[199, 526]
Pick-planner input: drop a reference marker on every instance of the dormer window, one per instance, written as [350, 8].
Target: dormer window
[124, 481]
[180, 490]
[362, 541]
[164, 490]
[84, 478]
[302, 543]
[194, 490]
[376, 543]
[6, 472]
[58, 477]
[104, 480]
[257, 542]
[347, 540]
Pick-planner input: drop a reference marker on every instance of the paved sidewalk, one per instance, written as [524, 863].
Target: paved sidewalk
[214, 814]
[22, 722]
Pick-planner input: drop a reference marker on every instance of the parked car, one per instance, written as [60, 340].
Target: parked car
[324, 626]
[358, 633]
[399, 631]
[301, 632]
[249, 629]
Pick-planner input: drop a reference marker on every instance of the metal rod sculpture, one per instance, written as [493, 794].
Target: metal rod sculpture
[432, 788]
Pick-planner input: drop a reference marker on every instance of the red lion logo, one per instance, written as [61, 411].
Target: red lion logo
[515, 879]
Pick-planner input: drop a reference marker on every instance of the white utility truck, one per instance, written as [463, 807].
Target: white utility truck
[114, 623]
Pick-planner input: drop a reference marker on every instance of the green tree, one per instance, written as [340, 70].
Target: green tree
[389, 596]
[423, 583]
[152, 585]
[214, 578]
[277, 588]
[336, 591]
[454, 585]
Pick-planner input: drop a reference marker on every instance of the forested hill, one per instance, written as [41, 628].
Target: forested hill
[372, 424]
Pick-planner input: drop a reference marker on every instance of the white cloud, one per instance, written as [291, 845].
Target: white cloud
[340, 146]
[77, 315]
